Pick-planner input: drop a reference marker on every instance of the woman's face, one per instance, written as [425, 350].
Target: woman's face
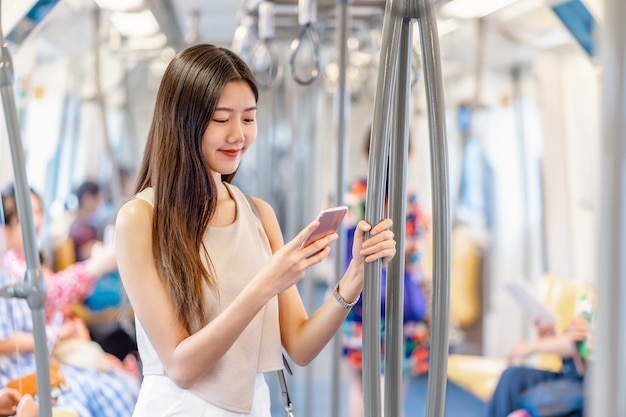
[14, 230]
[231, 130]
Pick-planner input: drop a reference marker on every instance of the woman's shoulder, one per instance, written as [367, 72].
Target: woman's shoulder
[136, 210]
[147, 195]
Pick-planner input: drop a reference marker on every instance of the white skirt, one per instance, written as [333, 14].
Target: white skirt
[160, 397]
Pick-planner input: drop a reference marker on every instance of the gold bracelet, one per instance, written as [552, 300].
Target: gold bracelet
[342, 301]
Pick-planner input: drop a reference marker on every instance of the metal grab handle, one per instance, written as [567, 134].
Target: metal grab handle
[308, 29]
[264, 60]
[265, 64]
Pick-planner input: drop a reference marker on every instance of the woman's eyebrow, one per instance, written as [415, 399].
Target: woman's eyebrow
[253, 108]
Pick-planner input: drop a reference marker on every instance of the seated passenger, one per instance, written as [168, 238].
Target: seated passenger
[510, 397]
[107, 391]
[72, 284]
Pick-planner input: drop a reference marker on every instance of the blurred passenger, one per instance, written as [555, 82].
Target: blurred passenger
[212, 284]
[83, 230]
[87, 230]
[65, 287]
[106, 391]
[513, 391]
[416, 329]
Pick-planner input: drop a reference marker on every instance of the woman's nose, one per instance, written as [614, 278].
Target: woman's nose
[236, 132]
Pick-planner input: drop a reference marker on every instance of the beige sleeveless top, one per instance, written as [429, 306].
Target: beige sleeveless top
[237, 252]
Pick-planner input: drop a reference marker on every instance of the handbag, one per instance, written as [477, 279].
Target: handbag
[562, 397]
[27, 384]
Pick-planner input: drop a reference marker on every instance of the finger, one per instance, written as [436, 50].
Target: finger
[318, 245]
[317, 257]
[13, 395]
[304, 234]
[383, 225]
[374, 240]
[385, 249]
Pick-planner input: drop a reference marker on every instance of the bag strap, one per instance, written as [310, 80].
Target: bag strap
[283, 387]
[281, 374]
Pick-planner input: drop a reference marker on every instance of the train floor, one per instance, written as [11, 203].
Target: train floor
[459, 403]
[310, 387]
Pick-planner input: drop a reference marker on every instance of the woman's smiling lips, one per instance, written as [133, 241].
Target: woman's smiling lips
[231, 152]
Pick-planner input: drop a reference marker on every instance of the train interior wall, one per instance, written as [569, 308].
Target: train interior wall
[535, 142]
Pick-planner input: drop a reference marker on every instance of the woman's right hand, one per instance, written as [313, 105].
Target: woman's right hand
[290, 264]
[9, 398]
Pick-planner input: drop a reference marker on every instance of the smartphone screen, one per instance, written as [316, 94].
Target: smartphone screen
[329, 219]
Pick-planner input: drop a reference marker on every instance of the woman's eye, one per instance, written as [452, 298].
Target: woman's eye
[220, 120]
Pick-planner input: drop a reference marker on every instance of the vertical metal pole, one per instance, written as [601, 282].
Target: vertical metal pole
[342, 145]
[608, 376]
[376, 187]
[441, 208]
[394, 307]
[33, 288]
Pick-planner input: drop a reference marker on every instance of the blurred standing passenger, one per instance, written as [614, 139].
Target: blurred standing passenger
[83, 230]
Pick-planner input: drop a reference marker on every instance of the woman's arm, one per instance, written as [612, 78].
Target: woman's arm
[19, 341]
[187, 357]
[549, 342]
[304, 337]
[72, 284]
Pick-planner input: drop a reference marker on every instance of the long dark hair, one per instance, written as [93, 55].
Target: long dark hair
[185, 195]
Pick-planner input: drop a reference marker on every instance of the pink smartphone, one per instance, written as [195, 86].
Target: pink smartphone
[330, 219]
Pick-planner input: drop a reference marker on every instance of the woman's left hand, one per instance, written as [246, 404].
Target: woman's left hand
[380, 245]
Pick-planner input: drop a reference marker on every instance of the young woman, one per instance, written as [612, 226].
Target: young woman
[212, 286]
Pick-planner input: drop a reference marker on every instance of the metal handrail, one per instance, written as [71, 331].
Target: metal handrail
[398, 161]
[376, 185]
[431, 61]
[605, 378]
[396, 36]
[342, 154]
[33, 288]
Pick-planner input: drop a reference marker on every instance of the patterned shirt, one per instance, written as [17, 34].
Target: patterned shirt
[69, 286]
